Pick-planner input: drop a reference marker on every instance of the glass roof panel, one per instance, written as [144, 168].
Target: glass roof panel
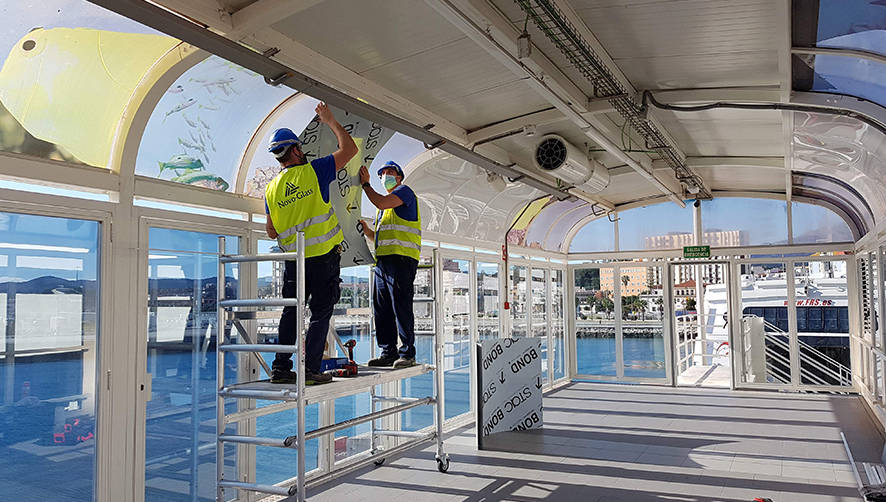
[598, 235]
[539, 232]
[846, 149]
[69, 69]
[659, 226]
[813, 224]
[852, 24]
[851, 76]
[730, 222]
[199, 130]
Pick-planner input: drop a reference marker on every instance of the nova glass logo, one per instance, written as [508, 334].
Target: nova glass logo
[290, 189]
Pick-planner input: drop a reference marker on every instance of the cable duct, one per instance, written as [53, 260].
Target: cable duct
[551, 21]
[649, 99]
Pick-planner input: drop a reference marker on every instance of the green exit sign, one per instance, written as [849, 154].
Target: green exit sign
[696, 251]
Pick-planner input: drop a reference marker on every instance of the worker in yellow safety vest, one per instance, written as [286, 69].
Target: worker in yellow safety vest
[297, 200]
[397, 237]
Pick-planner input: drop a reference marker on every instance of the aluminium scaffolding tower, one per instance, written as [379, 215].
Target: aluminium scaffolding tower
[298, 396]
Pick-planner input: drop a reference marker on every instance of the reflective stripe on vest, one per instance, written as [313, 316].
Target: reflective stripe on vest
[396, 236]
[295, 204]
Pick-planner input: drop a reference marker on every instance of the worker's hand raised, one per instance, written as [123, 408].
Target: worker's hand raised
[324, 114]
[364, 175]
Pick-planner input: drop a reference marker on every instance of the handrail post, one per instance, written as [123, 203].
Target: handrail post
[220, 373]
[300, 346]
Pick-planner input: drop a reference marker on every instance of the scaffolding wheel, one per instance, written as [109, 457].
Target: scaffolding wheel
[379, 462]
[443, 464]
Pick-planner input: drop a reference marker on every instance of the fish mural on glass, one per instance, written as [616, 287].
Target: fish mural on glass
[69, 86]
[191, 171]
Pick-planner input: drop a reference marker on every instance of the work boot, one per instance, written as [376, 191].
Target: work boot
[279, 375]
[312, 378]
[404, 362]
[384, 360]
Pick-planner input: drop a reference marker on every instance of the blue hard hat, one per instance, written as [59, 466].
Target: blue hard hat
[391, 164]
[281, 140]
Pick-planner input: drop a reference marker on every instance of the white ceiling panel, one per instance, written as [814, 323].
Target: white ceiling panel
[737, 69]
[726, 132]
[742, 178]
[371, 33]
[465, 81]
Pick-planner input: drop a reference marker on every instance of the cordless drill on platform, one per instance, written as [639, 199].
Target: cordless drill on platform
[349, 369]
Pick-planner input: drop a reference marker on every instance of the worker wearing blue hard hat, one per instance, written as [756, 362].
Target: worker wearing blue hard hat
[297, 200]
[397, 237]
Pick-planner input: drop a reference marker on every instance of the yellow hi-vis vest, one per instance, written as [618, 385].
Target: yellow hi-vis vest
[394, 235]
[295, 204]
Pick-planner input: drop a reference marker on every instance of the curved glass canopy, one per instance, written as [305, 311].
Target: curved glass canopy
[201, 126]
[69, 71]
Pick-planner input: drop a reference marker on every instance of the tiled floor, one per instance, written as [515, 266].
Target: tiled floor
[639, 443]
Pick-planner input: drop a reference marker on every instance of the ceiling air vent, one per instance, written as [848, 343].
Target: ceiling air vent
[562, 159]
[550, 153]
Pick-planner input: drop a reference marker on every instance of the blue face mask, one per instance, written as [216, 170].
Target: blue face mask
[389, 181]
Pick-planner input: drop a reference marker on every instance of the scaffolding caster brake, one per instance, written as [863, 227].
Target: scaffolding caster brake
[443, 463]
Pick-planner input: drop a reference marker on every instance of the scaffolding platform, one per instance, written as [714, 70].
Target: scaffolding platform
[298, 396]
[367, 377]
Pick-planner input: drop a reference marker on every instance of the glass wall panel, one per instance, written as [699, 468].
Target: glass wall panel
[423, 385]
[597, 235]
[558, 323]
[642, 324]
[182, 334]
[487, 300]
[457, 336]
[517, 299]
[539, 315]
[198, 131]
[49, 293]
[594, 323]
[823, 322]
[729, 222]
[701, 332]
[63, 92]
[660, 226]
[764, 340]
[813, 224]
[273, 465]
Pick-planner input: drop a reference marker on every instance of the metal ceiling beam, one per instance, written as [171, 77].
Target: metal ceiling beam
[186, 30]
[495, 24]
[541, 118]
[830, 51]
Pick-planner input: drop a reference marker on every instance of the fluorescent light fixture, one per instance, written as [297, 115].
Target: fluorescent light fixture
[41, 247]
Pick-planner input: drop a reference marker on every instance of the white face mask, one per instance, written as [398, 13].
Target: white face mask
[389, 181]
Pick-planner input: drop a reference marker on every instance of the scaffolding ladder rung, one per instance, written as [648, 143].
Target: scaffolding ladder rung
[399, 400]
[260, 441]
[260, 302]
[282, 394]
[405, 434]
[422, 299]
[366, 418]
[285, 491]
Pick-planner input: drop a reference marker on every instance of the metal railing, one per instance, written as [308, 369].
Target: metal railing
[816, 368]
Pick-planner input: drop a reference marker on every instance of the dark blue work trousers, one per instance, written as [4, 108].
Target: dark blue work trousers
[322, 288]
[392, 304]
